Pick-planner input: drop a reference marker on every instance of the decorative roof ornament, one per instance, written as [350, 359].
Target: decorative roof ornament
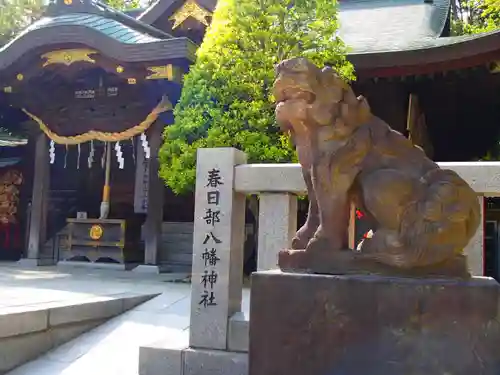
[190, 9]
[161, 72]
[68, 56]
[56, 7]
[495, 67]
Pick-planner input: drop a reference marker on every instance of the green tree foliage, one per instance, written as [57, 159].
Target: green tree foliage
[227, 100]
[16, 15]
[475, 16]
[123, 4]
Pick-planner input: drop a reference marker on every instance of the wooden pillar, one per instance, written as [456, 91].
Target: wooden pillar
[416, 126]
[154, 220]
[41, 181]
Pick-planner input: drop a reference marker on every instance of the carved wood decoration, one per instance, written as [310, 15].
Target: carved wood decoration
[69, 63]
[10, 180]
[190, 9]
[123, 127]
[161, 72]
[68, 56]
[90, 106]
[495, 67]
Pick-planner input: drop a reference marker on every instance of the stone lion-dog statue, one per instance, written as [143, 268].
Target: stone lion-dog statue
[422, 216]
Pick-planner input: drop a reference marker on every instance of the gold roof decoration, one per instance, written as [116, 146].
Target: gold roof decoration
[495, 67]
[161, 72]
[190, 9]
[68, 56]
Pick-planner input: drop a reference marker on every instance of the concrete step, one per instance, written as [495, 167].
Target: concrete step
[113, 348]
[28, 331]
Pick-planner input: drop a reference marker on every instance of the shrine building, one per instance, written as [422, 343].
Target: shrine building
[93, 88]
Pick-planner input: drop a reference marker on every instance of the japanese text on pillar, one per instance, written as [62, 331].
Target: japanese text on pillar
[211, 242]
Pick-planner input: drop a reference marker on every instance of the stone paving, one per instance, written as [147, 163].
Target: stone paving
[113, 348]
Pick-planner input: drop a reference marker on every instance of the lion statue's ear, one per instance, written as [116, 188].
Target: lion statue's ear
[353, 110]
[333, 83]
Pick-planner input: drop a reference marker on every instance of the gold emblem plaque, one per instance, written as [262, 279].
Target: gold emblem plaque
[96, 232]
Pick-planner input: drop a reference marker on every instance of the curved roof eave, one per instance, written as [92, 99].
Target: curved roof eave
[428, 52]
[148, 50]
[155, 10]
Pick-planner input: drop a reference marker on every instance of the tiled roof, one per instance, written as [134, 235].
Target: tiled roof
[106, 26]
[365, 25]
[113, 33]
[379, 25]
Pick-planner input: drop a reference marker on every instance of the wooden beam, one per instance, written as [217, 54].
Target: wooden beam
[411, 114]
[352, 227]
[153, 224]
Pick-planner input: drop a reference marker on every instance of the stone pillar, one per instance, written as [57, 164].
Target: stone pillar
[277, 226]
[219, 233]
[39, 201]
[475, 249]
[154, 218]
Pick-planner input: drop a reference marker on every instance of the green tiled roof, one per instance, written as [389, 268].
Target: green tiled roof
[106, 26]
[378, 25]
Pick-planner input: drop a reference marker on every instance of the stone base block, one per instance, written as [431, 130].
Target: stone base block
[159, 359]
[35, 262]
[147, 269]
[344, 325]
[237, 340]
[214, 362]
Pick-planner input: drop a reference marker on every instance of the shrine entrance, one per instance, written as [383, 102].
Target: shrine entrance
[95, 93]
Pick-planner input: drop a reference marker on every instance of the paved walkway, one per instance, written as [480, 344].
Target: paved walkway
[113, 348]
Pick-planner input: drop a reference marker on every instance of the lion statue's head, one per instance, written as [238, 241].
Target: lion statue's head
[308, 96]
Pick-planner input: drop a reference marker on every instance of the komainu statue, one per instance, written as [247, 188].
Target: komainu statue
[422, 216]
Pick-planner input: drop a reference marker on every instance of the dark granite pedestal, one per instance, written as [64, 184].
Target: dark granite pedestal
[303, 324]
